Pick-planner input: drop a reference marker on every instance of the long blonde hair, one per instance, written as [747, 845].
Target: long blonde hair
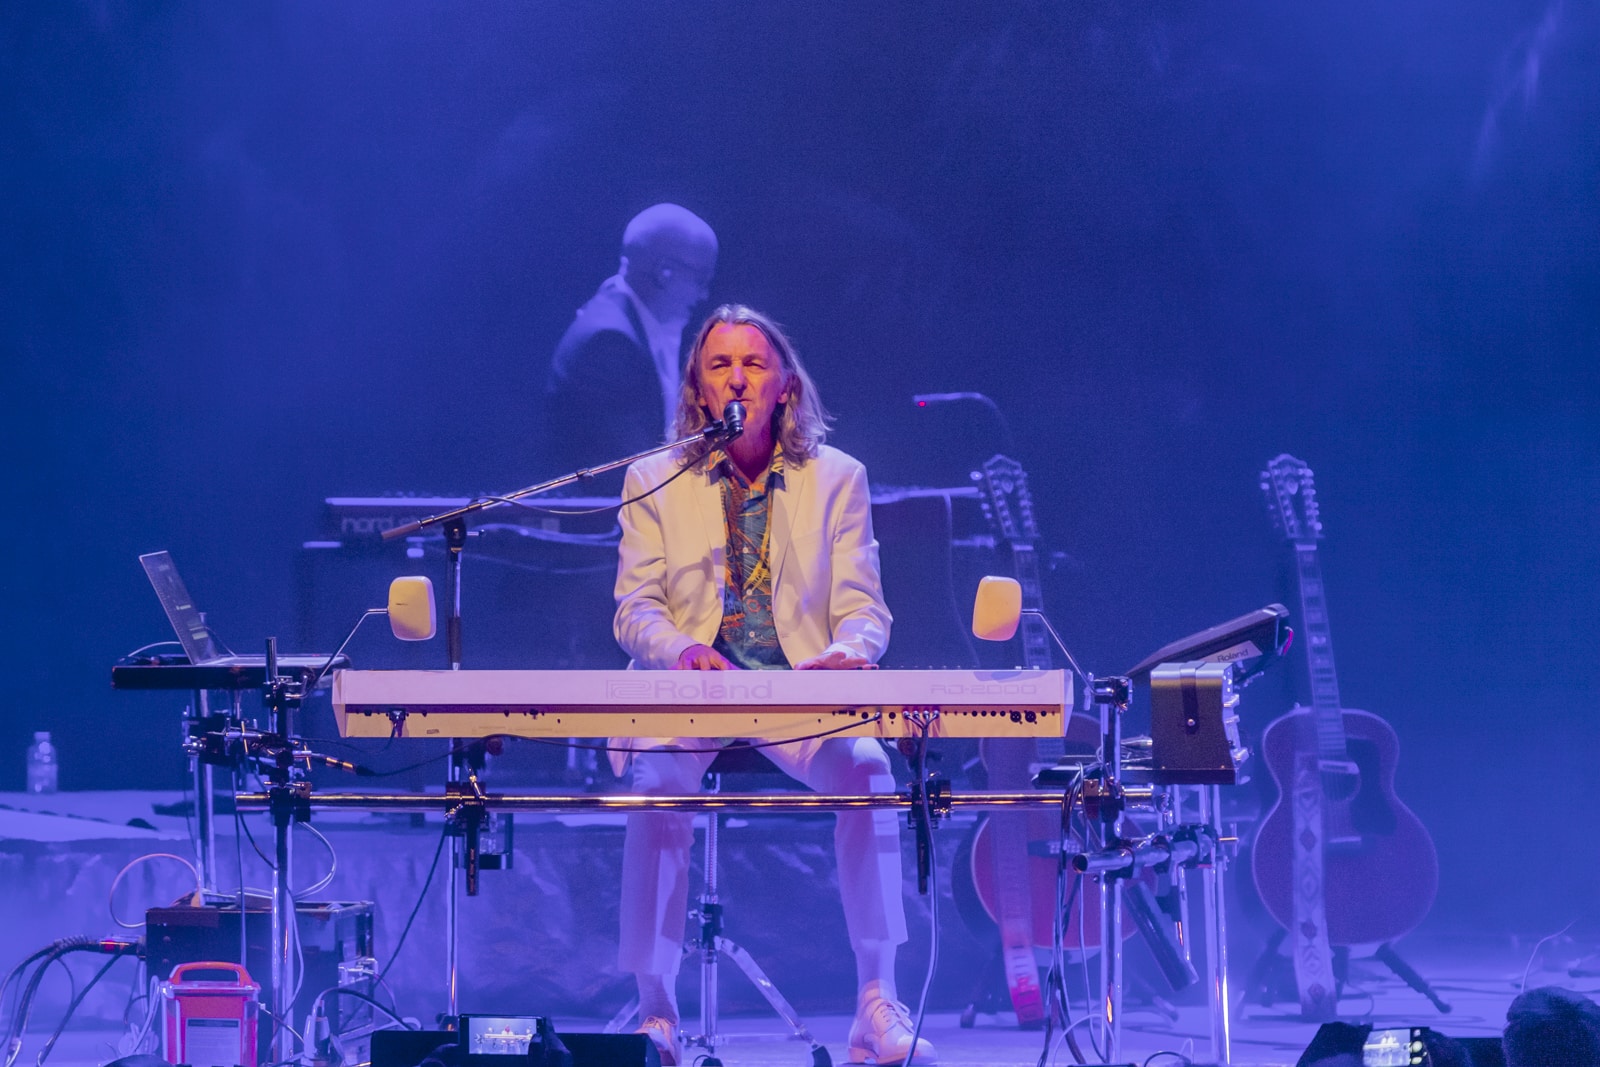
[800, 423]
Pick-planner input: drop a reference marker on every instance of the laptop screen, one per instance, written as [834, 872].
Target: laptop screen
[192, 631]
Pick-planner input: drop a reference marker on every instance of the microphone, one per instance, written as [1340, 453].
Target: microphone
[923, 400]
[733, 419]
[342, 765]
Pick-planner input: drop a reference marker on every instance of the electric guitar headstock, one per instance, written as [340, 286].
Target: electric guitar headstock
[1006, 502]
[1292, 500]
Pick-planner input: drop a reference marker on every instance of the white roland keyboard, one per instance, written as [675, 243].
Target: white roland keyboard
[764, 704]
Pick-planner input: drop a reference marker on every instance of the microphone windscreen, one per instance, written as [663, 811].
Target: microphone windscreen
[411, 611]
[996, 609]
[733, 418]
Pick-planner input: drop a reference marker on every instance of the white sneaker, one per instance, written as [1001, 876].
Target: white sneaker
[881, 1034]
[664, 1035]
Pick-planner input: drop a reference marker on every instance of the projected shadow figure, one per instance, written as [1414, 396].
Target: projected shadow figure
[614, 379]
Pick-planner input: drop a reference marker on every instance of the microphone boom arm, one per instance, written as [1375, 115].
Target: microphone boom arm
[712, 430]
[1062, 645]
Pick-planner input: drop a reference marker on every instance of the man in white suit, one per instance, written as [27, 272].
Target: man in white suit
[759, 555]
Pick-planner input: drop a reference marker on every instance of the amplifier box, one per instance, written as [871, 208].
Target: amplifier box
[331, 933]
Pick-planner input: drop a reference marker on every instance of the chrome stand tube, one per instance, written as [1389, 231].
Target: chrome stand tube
[1180, 882]
[452, 943]
[1110, 882]
[283, 914]
[205, 823]
[1212, 883]
[710, 925]
[1139, 798]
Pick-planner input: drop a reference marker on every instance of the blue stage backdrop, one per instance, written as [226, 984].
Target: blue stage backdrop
[256, 256]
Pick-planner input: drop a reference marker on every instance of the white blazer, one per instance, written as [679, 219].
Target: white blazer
[826, 591]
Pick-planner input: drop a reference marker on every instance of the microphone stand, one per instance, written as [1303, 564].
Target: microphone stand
[290, 802]
[714, 429]
[469, 814]
[1105, 800]
[454, 521]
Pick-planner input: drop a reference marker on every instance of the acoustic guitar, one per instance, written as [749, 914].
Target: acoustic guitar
[1379, 870]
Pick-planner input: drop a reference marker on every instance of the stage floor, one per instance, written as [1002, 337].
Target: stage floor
[545, 931]
[1478, 984]
[1478, 980]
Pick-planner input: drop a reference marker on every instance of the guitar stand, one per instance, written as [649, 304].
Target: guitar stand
[985, 998]
[1266, 973]
[1408, 974]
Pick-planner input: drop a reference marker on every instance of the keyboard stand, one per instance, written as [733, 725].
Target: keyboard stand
[710, 947]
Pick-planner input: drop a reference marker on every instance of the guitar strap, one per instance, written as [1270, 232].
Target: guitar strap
[1007, 762]
[1308, 940]
[1009, 859]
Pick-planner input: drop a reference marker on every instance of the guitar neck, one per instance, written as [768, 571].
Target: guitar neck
[1035, 638]
[1327, 710]
[1009, 509]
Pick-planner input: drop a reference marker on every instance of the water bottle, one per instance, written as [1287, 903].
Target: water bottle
[43, 766]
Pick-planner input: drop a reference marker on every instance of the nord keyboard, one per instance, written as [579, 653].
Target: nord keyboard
[766, 704]
[358, 518]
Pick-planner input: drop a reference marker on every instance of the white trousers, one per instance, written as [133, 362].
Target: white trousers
[655, 851]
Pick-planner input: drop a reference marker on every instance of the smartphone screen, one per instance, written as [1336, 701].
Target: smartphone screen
[1394, 1048]
[499, 1035]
